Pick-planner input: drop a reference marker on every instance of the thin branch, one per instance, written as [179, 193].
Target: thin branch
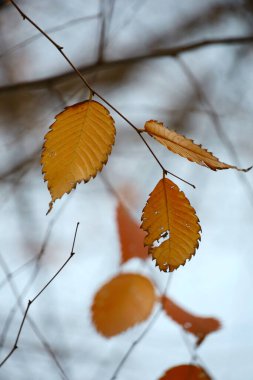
[21, 165]
[143, 334]
[169, 52]
[16, 272]
[101, 44]
[194, 354]
[93, 91]
[58, 47]
[30, 302]
[32, 323]
[224, 137]
[33, 275]
[55, 29]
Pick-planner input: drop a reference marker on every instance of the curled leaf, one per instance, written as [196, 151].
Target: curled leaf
[131, 236]
[185, 147]
[76, 147]
[172, 227]
[186, 372]
[121, 303]
[199, 326]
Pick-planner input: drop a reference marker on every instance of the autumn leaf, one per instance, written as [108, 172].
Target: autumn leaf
[172, 226]
[199, 326]
[76, 147]
[185, 147]
[121, 303]
[131, 236]
[186, 372]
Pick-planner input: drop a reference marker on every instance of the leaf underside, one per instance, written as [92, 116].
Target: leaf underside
[76, 147]
[186, 372]
[121, 303]
[199, 326]
[185, 147]
[169, 215]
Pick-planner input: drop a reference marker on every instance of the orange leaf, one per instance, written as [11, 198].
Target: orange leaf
[199, 326]
[131, 236]
[168, 214]
[185, 147]
[76, 147]
[186, 372]
[122, 302]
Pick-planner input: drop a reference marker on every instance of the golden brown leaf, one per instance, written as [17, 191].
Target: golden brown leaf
[121, 303]
[169, 215]
[131, 236]
[186, 372]
[76, 147]
[185, 147]
[199, 326]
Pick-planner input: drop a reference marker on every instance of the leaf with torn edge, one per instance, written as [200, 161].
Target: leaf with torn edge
[76, 147]
[199, 326]
[173, 230]
[131, 236]
[185, 147]
[186, 372]
[121, 303]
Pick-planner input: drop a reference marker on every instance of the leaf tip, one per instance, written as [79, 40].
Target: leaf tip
[247, 169]
[50, 207]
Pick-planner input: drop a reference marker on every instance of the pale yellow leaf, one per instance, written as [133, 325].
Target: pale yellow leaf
[185, 147]
[122, 302]
[169, 215]
[76, 147]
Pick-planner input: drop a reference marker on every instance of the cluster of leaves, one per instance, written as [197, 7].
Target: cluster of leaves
[129, 299]
[78, 145]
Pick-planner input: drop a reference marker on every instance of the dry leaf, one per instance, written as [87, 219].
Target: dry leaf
[199, 326]
[185, 147]
[131, 236]
[121, 303]
[76, 147]
[186, 372]
[172, 226]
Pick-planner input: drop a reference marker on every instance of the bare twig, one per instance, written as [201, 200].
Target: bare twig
[195, 357]
[21, 165]
[101, 44]
[224, 137]
[33, 275]
[34, 327]
[55, 29]
[30, 302]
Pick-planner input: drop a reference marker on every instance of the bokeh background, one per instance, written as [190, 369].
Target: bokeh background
[205, 94]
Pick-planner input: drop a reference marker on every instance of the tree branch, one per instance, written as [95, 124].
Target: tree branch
[169, 52]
